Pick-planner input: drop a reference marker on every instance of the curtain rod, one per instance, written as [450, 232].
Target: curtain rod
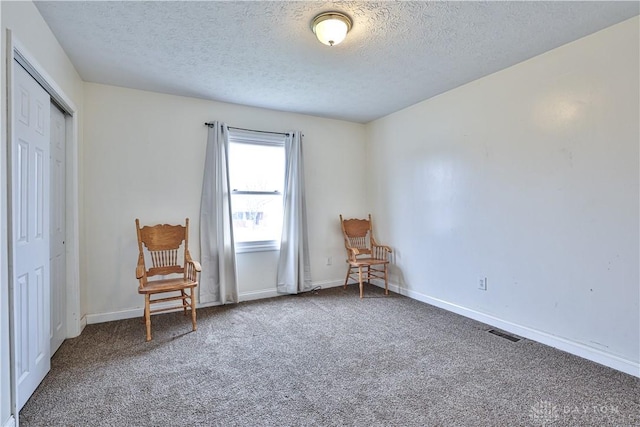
[250, 130]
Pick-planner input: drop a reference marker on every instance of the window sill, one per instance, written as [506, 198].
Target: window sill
[264, 246]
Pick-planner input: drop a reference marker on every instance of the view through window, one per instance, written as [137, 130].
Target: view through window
[256, 174]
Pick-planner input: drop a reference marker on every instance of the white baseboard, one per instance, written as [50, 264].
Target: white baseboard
[261, 294]
[90, 319]
[132, 313]
[326, 284]
[575, 348]
[270, 293]
[113, 315]
[11, 422]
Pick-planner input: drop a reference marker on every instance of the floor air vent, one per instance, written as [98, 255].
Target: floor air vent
[503, 335]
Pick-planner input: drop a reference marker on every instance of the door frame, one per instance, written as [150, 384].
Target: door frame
[75, 321]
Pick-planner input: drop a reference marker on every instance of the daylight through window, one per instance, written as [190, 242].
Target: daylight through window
[256, 175]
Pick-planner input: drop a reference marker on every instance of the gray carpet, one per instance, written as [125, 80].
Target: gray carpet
[323, 359]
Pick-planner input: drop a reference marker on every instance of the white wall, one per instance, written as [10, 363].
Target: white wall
[529, 177]
[26, 24]
[144, 157]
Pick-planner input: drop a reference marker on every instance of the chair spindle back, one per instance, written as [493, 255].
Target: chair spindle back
[163, 243]
[357, 233]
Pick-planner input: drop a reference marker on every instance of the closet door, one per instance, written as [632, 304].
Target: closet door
[30, 226]
[57, 256]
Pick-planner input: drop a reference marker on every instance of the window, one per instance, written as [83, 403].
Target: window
[256, 177]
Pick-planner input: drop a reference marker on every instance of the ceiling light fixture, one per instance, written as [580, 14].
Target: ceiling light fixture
[331, 27]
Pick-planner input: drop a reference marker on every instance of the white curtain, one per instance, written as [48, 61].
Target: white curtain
[294, 273]
[218, 280]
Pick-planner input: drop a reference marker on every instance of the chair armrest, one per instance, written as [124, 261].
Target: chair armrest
[191, 268]
[375, 244]
[196, 264]
[384, 247]
[352, 254]
[380, 252]
[140, 271]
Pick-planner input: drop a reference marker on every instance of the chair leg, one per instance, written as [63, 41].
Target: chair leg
[346, 280]
[147, 315]
[386, 282]
[193, 311]
[184, 300]
[360, 280]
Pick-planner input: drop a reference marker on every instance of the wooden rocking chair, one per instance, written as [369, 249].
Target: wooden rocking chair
[366, 258]
[163, 245]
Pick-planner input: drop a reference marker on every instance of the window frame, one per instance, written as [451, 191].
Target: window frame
[241, 136]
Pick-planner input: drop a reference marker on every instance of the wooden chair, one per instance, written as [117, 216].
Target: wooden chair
[163, 245]
[366, 258]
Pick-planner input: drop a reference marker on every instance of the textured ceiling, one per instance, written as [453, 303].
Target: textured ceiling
[264, 54]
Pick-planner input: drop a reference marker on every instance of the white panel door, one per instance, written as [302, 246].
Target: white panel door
[30, 224]
[57, 258]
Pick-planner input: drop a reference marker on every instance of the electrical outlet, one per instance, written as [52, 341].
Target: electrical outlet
[483, 284]
[329, 260]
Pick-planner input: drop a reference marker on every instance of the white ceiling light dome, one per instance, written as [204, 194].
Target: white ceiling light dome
[331, 27]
